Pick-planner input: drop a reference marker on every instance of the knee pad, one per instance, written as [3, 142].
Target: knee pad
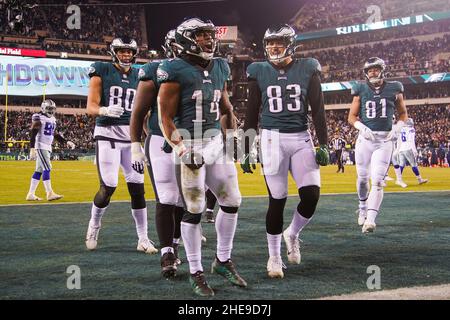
[309, 197]
[46, 175]
[103, 196]
[137, 192]
[229, 209]
[192, 218]
[274, 216]
[37, 175]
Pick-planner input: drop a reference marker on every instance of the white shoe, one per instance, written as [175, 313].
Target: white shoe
[203, 238]
[293, 248]
[362, 215]
[32, 197]
[422, 181]
[275, 267]
[387, 178]
[401, 183]
[91, 237]
[368, 227]
[53, 196]
[147, 246]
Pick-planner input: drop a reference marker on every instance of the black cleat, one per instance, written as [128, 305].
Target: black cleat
[168, 265]
[209, 216]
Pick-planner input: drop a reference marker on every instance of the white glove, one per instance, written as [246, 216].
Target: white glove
[32, 154]
[70, 145]
[364, 131]
[137, 157]
[396, 128]
[111, 111]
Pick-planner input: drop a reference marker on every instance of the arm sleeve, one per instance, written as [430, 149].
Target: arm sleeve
[252, 111]
[33, 135]
[315, 98]
[166, 72]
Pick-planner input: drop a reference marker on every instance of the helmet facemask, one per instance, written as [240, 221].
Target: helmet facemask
[375, 63]
[197, 38]
[121, 44]
[48, 107]
[282, 34]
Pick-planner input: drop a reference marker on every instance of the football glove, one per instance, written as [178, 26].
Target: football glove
[138, 158]
[322, 155]
[396, 128]
[364, 131]
[32, 154]
[192, 159]
[113, 111]
[245, 164]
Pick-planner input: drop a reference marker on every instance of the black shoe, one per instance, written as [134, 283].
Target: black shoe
[175, 252]
[228, 271]
[168, 265]
[199, 285]
[209, 216]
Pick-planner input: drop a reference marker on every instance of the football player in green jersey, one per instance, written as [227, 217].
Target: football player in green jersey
[169, 207]
[371, 112]
[112, 89]
[284, 87]
[193, 90]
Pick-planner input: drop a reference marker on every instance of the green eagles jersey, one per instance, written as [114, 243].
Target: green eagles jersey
[146, 73]
[284, 93]
[117, 89]
[377, 105]
[201, 91]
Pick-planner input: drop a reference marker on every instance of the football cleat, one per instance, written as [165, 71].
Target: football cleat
[147, 246]
[169, 265]
[53, 196]
[422, 181]
[228, 271]
[361, 216]
[275, 267]
[387, 178]
[199, 285]
[209, 216]
[293, 248]
[91, 237]
[32, 197]
[401, 183]
[368, 227]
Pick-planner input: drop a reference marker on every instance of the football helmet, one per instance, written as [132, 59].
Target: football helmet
[186, 34]
[123, 43]
[374, 62]
[48, 107]
[285, 33]
[170, 47]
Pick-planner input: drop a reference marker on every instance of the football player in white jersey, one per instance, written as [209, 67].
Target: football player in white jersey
[42, 134]
[407, 152]
[112, 89]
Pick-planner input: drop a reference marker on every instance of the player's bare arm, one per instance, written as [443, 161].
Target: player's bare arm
[144, 97]
[354, 110]
[168, 99]
[401, 107]
[228, 119]
[94, 96]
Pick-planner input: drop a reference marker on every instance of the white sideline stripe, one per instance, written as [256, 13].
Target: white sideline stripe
[37, 203]
[437, 292]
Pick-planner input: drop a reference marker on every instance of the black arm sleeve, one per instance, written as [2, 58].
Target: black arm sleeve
[252, 111]
[33, 135]
[60, 138]
[315, 98]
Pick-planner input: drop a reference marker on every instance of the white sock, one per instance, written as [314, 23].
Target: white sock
[374, 203]
[371, 216]
[225, 229]
[47, 185]
[33, 185]
[140, 218]
[176, 240]
[398, 174]
[297, 224]
[274, 243]
[192, 239]
[96, 216]
[165, 250]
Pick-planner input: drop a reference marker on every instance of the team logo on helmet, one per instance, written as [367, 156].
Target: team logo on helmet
[282, 32]
[186, 34]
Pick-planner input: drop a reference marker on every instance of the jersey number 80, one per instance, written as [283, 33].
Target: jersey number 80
[116, 97]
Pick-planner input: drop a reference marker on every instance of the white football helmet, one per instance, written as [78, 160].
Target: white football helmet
[48, 107]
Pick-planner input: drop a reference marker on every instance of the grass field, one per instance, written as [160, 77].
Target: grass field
[38, 242]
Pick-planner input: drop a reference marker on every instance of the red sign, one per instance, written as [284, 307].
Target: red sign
[23, 52]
